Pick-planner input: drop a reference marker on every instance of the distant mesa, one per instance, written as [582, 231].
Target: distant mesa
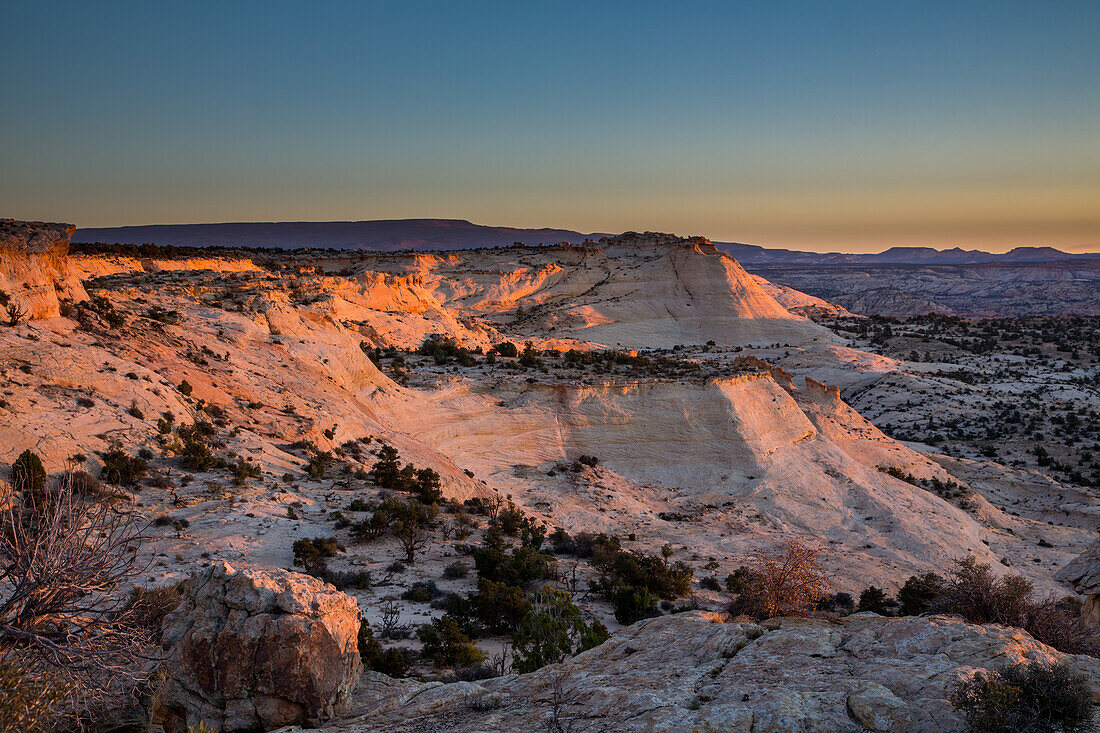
[382, 234]
[447, 234]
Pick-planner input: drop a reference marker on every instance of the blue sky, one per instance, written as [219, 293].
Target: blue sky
[851, 126]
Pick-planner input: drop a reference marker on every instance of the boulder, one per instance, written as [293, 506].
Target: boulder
[35, 274]
[1083, 573]
[256, 649]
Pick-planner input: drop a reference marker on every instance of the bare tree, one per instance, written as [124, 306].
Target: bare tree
[62, 560]
[391, 617]
[15, 314]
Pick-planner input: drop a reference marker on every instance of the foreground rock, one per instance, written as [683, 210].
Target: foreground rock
[1084, 575]
[258, 649]
[685, 672]
[35, 274]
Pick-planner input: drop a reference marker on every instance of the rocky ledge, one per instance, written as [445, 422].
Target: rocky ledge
[35, 275]
[695, 672]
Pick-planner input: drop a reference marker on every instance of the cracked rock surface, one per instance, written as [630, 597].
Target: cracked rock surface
[690, 671]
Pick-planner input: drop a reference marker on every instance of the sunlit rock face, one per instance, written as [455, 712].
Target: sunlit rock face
[35, 275]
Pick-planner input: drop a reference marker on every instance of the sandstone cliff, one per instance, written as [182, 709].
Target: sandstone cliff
[34, 267]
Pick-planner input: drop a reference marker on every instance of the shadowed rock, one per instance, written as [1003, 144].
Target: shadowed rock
[258, 649]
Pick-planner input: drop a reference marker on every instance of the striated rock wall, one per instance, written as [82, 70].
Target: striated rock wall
[35, 274]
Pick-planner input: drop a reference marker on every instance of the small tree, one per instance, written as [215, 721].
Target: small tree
[412, 527]
[789, 583]
[918, 593]
[873, 599]
[28, 476]
[553, 630]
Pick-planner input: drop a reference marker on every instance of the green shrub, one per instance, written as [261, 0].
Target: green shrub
[553, 630]
[119, 467]
[313, 552]
[457, 569]
[919, 593]
[28, 476]
[391, 661]
[1029, 696]
[446, 645]
[873, 599]
[634, 603]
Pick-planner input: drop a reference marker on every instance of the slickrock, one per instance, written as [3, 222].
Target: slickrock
[690, 671]
[35, 274]
[258, 649]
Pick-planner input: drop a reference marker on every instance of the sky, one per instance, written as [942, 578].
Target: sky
[850, 126]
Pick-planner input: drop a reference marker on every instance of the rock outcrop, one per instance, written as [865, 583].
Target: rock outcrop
[257, 649]
[692, 672]
[35, 275]
[1084, 575]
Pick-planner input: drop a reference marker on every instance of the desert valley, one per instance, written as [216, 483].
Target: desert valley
[557, 487]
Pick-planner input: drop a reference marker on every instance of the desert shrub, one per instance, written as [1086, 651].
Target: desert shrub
[63, 625]
[633, 603]
[735, 581]
[312, 553]
[590, 461]
[516, 567]
[919, 593]
[664, 579]
[86, 484]
[841, 603]
[446, 646]
[194, 449]
[505, 348]
[457, 569]
[243, 470]
[150, 606]
[318, 464]
[28, 476]
[973, 592]
[392, 662]
[789, 583]
[1029, 696]
[552, 630]
[1059, 623]
[499, 606]
[185, 388]
[511, 519]
[422, 591]
[344, 579]
[29, 695]
[710, 583]
[119, 467]
[873, 599]
[443, 349]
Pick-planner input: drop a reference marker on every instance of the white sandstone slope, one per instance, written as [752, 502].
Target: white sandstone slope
[638, 290]
[712, 453]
